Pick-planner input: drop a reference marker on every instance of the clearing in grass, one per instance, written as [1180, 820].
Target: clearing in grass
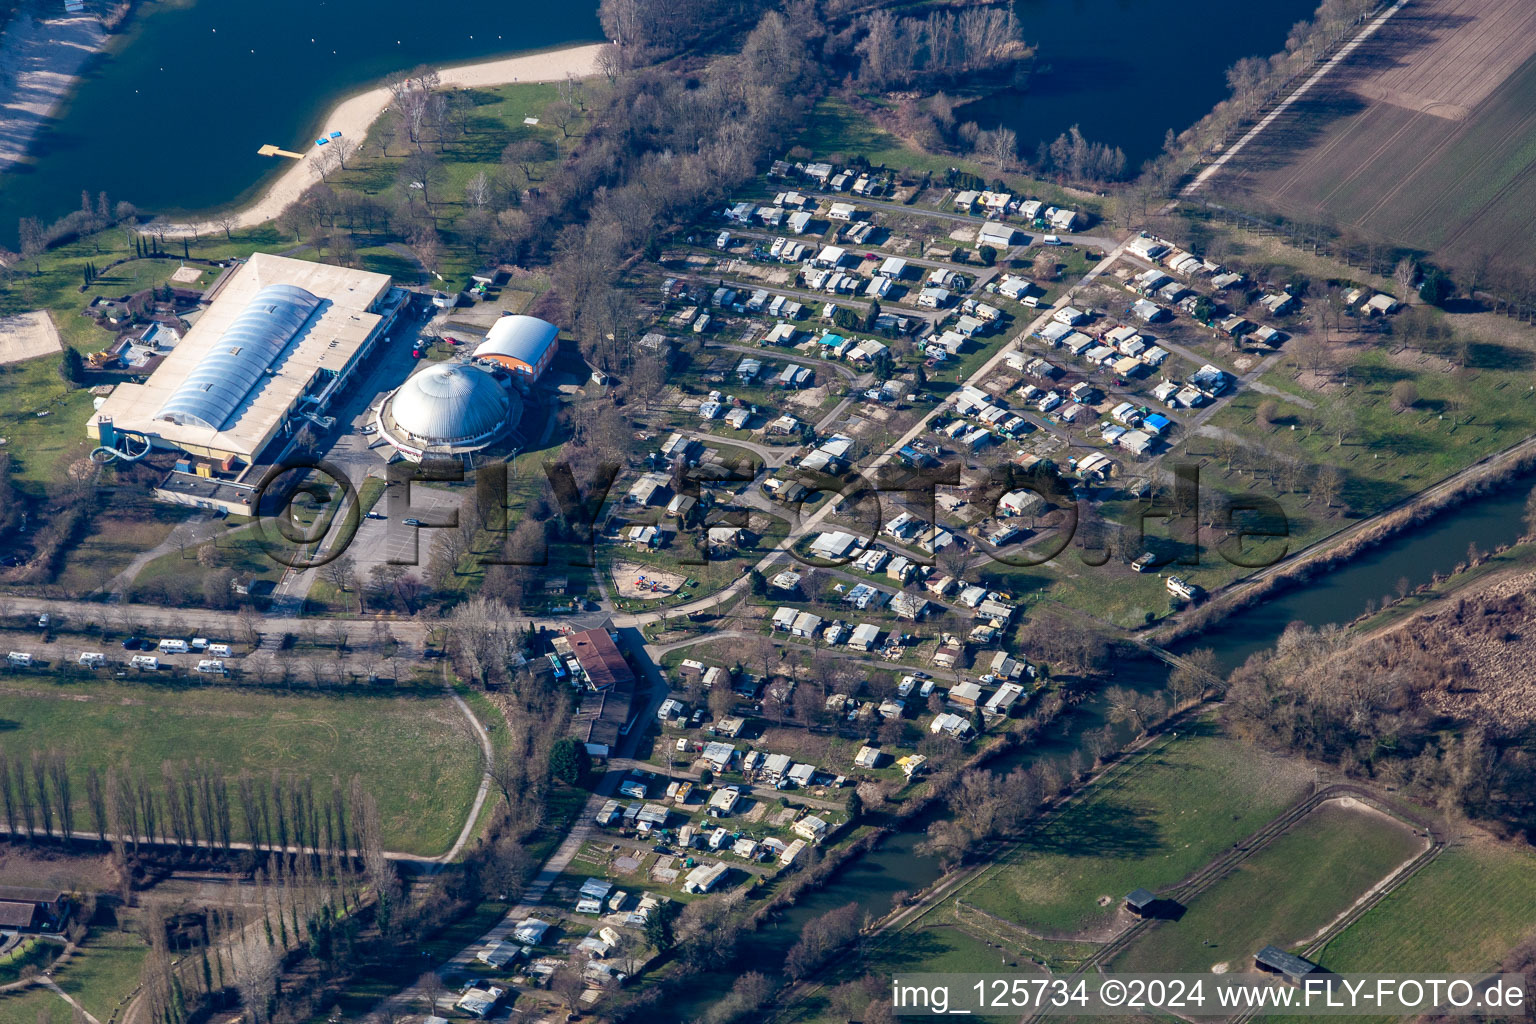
[1285, 894]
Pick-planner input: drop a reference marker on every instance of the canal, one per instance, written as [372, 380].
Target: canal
[1339, 595]
[170, 118]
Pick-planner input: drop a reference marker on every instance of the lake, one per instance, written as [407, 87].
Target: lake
[1126, 71]
[171, 117]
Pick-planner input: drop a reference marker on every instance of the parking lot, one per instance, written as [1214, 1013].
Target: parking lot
[391, 540]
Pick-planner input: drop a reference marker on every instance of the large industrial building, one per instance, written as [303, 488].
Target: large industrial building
[524, 345]
[447, 410]
[279, 339]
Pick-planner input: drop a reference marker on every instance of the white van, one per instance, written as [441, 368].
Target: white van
[212, 667]
[173, 647]
[219, 650]
[19, 658]
[92, 659]
[145, 662]
[199, 643]
[1052, 240]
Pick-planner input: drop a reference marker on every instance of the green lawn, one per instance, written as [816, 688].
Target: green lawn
[34, 1006]
[41, 447]
[1387, 455]
[494, 121]
[1462, 912]
[1156, 820]
[103, 971]
[412, 747]
[1282, 895]
[939, 948]
[176, 577]
[32, 952]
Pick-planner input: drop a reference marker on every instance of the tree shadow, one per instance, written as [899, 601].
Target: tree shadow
[1100, 830]
[1483, 355]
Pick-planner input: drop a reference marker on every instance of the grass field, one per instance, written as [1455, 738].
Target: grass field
[125, 525]
[33, 952]
[34, 1006]
[930, 948]
[412, 748]
[1389, 455]
[1282, 895]
[1462, 912]
[494, 121]
[1155, 821]
[103, 971]
[41, 447]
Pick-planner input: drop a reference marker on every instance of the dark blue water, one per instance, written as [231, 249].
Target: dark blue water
[1126, 71]
[1339, 595]
[171, 117]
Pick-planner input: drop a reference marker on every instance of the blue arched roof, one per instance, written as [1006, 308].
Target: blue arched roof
[226, 375]
[518, 337]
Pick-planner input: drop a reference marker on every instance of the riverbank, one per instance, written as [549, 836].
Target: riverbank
[40, 61]
[356, 114]
[1479, 478]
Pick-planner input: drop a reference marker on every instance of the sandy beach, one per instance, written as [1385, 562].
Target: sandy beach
[352, 117]
[42, 59]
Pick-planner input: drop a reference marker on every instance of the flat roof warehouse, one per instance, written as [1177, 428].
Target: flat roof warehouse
[278, 338]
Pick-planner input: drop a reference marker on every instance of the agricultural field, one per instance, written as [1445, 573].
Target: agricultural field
[1424, 138]
[1282, 895]
[412, 748]
[1152, 822]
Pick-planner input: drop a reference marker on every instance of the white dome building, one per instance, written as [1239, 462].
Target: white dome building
[448, 409]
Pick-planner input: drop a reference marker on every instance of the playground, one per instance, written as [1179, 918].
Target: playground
[645, 582]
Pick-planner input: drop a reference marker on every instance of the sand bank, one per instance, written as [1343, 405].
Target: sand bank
[354, 115]
[39, 61]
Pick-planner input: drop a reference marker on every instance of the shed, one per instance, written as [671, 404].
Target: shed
[1139, 902]
[1274, 960]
